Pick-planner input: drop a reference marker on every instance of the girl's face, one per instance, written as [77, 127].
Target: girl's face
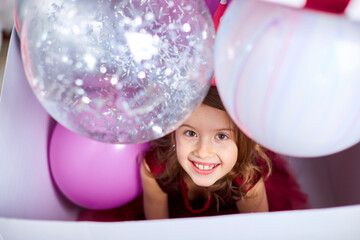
[205, 145]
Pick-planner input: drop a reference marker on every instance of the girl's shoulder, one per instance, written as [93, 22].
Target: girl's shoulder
[239, 180]
[263, 166]
[168, 183]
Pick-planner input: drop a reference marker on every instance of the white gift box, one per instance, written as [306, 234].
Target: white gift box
[31, 207]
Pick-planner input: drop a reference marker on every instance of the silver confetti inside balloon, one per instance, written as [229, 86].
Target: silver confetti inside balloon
[119, 71]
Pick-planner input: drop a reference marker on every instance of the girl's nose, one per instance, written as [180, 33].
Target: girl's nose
[204, 149]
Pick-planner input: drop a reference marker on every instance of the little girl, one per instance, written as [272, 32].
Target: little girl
[208, 167]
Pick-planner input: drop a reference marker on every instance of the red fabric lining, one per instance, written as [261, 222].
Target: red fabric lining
[218, 14]
[333, 6]
[216, 19]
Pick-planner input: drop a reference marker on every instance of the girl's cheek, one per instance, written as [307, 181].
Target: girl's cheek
[186, 139]
[224, 143]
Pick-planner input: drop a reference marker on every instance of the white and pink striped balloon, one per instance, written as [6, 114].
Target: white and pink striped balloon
[290, 77]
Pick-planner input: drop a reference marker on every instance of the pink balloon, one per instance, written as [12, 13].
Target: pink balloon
[92, 174]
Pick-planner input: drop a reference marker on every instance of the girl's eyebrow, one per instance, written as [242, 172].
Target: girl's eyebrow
[225, 129]
[186, 125]
[217, 130]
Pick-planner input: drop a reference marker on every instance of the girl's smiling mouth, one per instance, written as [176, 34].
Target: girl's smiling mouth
[204, 168]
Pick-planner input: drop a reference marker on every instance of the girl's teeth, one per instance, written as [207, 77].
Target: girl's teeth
[204, 167]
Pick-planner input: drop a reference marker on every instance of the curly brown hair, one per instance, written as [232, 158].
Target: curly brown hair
[225, 189]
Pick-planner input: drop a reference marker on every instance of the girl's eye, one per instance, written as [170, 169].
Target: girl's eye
[190, 133]
[221, 136]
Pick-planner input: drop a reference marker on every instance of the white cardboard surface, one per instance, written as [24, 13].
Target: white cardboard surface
[330, 224]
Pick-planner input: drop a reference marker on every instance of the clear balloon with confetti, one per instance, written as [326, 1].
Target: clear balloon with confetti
[119, 71]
